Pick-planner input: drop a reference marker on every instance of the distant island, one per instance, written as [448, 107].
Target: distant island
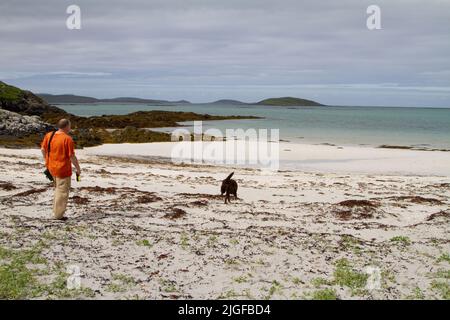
[75, 99]
[278, 102]
[71, 98]
[289, 101]
[229, 101]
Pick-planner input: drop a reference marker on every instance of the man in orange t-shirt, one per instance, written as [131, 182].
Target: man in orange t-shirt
[59, 162]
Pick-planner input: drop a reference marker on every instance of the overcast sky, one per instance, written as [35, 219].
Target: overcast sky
[205, 50]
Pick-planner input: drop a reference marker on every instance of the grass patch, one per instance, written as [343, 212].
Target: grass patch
[228, 295]
[144, 243]
[444, 257]
[401, 240]
[417, 294]
[274, 288]
[344, 275]
[387, 277]
[241, 279]
[58, 288]
[211, 241]
[318, 282]
[17, 281]
[324, 294]
[121, 283]
[167, 286]
[9, 93]
[443, 288]
[184, 241]
[350, 243]
[20, 272]
[231, 262]
[128, 280]
[442, 274]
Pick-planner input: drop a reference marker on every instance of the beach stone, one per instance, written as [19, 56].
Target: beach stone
[14, 124]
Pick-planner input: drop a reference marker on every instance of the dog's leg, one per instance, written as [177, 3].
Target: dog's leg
[227, 197]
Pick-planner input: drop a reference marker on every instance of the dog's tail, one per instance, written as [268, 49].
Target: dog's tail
[229, 177]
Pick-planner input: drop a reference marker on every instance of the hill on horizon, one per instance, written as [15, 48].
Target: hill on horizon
[288, 101]
[76, 99]
[227, 101]
[71, 98]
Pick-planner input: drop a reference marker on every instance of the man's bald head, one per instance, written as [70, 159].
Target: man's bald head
[64, 124]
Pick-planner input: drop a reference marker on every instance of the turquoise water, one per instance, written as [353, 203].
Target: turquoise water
[421, 127]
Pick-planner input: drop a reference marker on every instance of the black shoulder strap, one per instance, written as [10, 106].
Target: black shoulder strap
[48, 146]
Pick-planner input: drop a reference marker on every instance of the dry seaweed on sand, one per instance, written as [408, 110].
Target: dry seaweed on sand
[148, 198]
[79, 200]
[358, 203]
[417, 199]
[175, 213]
[7, 186]
[437, 215]
[200, 195]
[30, 192]
[355, 209]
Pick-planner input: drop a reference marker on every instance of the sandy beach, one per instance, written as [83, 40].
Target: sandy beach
[310, 157]
[145, 228]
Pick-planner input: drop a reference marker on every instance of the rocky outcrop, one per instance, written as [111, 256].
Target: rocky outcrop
[29, 104]
[26, 103]
[17, 125]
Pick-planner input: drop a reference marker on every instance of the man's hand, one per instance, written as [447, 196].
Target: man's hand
[76, 164]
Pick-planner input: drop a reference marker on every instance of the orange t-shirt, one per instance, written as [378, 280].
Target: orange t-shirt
[61, 150]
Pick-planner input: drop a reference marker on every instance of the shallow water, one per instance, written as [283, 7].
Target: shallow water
[417, 127]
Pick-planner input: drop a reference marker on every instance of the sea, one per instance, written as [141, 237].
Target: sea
[423, 128]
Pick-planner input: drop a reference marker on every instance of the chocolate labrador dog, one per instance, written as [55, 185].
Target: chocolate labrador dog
[229, 186]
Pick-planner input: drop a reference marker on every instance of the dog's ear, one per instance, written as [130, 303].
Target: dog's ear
[229, 177]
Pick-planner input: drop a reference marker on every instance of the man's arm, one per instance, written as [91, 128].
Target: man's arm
[43, 148]
[76, 164]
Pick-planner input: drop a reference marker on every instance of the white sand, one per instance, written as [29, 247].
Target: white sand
[285, 230]
[316, 158]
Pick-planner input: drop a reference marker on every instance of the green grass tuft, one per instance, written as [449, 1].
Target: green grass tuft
[318, 282]
[344, 275]
[144, 243]
[444, 257]
[401, 240]
[443, 288]
[9, 93]
[20, 272]
[325, 294]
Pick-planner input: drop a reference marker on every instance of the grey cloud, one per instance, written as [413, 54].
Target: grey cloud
[303, 48]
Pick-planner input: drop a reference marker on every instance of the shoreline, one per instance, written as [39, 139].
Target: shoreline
[293, 156]
[312, 158]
